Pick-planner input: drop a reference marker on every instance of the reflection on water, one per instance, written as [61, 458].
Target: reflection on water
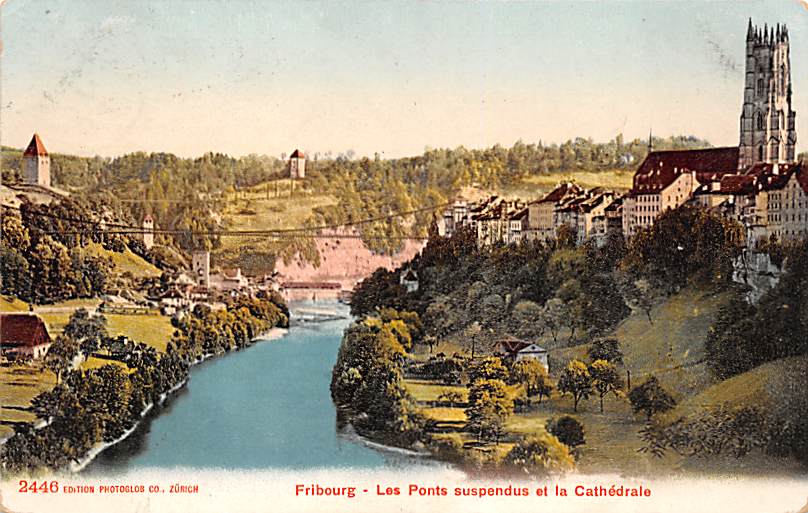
[268, 406]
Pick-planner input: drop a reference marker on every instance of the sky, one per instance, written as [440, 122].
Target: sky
[107, 77]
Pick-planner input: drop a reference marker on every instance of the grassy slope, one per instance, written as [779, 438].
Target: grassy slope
[536, 186]
[762, 386]
[671, 348]
[251, 209]
[12, 304]
[18, 385]
[125, 262]
[154, 330]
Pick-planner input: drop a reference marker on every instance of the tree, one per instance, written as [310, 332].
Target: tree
[531, 374]
[606, 349]
[605, 379]
[640, 295]
[60, 355]
[731, 345]
[576, 381]
[553, 315]
[540, 455]
[567, 429]
[490, 404]
[88, 330]
[488, 368]
[650, 398]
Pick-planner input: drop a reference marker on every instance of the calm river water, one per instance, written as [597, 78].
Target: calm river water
[268, 406]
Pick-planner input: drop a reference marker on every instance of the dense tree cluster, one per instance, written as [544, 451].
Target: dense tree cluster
[367, 382]
[100, 405]
[43, 247]
[89, 407]
[481, 294]
[206, 332]
[686, 245]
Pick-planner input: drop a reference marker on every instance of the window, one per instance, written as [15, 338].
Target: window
[760, 153]
[760, 87]
[759, 121]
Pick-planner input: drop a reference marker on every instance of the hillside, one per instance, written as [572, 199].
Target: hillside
[763, 386]
[536, 186]
[126, 262]
[267, 206]
[672, 348]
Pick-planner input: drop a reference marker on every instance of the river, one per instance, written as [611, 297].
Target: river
[266, 407]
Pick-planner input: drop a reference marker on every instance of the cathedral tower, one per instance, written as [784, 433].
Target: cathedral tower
[767, 121]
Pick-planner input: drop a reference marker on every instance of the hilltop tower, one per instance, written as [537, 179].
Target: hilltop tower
[148, 231]
[36, 163]
[297, 165]
[767, 121]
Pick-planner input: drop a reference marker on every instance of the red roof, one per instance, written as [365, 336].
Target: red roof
[22, 329]
[768, 180]
[763, 168]
[560, 192]
[737, 184]
[35, 147]
[661, 168]
[513, 345]
[297, 154]
[802, 177]
[231, 274]
[148, 218]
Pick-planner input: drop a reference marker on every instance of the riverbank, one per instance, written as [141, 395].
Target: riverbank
[108, 402]
[270, 335]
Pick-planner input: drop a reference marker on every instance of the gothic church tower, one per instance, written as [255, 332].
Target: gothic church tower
[767, 121]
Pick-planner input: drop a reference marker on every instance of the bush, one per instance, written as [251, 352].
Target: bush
[650, 398]
[539, 455]
[567, 429]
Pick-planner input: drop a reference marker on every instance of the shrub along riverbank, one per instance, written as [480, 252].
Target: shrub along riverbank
[92, 407]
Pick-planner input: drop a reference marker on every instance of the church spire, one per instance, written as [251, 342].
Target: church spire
[750, 33]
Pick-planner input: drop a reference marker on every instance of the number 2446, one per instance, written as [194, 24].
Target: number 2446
[39, 487]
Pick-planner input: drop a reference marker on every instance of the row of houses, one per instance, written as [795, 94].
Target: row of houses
[589, 213]
[769, 199]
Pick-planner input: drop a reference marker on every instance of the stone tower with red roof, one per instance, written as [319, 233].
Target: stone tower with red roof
[36, 163]
[768, 131]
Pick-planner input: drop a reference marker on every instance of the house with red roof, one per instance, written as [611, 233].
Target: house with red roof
[23, 336]
[513, 349]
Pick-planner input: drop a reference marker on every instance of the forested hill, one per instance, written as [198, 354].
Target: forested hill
[188, 194]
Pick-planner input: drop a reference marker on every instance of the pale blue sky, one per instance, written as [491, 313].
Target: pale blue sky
[112, 76]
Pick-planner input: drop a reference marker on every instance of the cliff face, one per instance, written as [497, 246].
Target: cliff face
[757, 271]
[346, 261]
